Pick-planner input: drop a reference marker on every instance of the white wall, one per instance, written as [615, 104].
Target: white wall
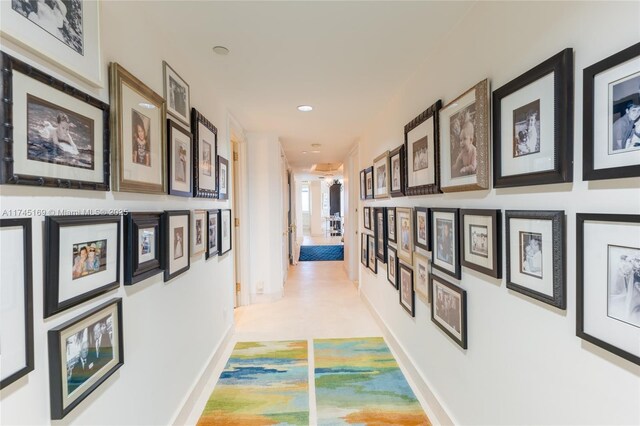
[524, 363]
[265, 216]
[170, 329]
[315, 195]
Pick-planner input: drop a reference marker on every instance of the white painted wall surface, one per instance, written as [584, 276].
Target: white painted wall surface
[524, 363]
[315, 195]
[170, 329]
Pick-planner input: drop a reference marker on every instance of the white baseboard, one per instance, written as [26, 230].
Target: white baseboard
[437, 413]
[190, 400]
[266, 297]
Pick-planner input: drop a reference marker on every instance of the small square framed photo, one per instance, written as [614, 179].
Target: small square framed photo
[198, 231]
[213, 230]
[397, 172]
[143, 257]
[536, 255]
[449, 309]
[533, 125]
[421, 147]
[205, 153]
[445, 234]
[368, 178]
[405, 233]
[223, 178]
[422, 224]
[176, 94]
[176, 230]
[611, 127]
[464, 141]
[392, 266]
[16, 288]
[381, 175]
[421, 276]
[364, 249]
[82, 259]
[405, 285]
[180, 160]
[391, 224]
[372, 261]
[363, 185]
[83, 353]
[366, 213]
[380, 232]
[481, 237]
[608, 282]
[226, 229]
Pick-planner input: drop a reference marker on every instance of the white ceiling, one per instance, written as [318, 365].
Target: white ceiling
[347, 59]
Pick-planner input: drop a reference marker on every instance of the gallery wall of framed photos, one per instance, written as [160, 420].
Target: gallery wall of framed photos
[506, 269]
[94, 262]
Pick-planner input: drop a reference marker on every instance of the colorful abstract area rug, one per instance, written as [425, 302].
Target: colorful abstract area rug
[263, 383]
[359, 382]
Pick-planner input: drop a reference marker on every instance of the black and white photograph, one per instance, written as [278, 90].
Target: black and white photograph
[526, 129]
[89, 257]
[420, 159]
[372, 262]
[179, 146]
[422, 237]
[405, 285]
[397, 172]
[176, 94]
[391, 224]
[177, 248]
[180, 160]
[83, 353]
[392, 266]
[405, 233]
[380, 217]
[479, 238]
[625, 113]
[444, 240]
[363, 190]
[531, 254]
[364, 246]
[624, 284]
[462, 132]
[226, 223]
[213, 228]
[141, 144]
[205, 156]
[58, 135]
[60, 18]
[368, 176]
[421, 151]
[381, 175]
[178, 242]
[366, 220]
[421, 276]
[449, 309]
[223, 178]
[198, 232]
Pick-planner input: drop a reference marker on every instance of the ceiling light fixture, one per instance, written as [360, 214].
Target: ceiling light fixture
[221, 50]
[304, 152]
[305, 108]
[315, 151]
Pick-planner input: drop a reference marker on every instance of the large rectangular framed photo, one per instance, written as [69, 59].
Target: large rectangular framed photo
[608, 282]
[205, 153]
[54, 135]
[81, 259]
[422, 157]
[611, 124]
[143, 256]
[16, 293]
[83, 353]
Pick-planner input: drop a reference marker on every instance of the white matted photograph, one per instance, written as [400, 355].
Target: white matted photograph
[176, 228]
[226, 228]
[381, 175]
[179, 148]
[446, 240]
[198, 231]
[449, 309]
[421, 276]
[481, 234]
[405, 234]
[405, 285]
[176, 94]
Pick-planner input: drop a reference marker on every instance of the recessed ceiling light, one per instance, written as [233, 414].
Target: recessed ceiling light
[305, 108]
[304, 152]
[147, 105]
[315, 145]
[315, 152]
[221, 50]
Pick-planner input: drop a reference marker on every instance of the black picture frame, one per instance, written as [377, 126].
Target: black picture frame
[58, 353]
[362, 185]
[589, 172]
[366, 218]
[559, 270]
[372, 263]
[212, 251]
[561, 65]
[223, 195]
[198, 119]
[172, 127]
[27, 289]
[582, 274]
[230, 230]
[392, 224]
[8, 174]
[398, 153]
[427, 212]
[134, 270]
[434, 188]
[495, 216]
[455, 271]
[52, 261]
[186, 246]
[392, 262]
[436, 305]
[380, 232]
[369, 193]
[410, 309]
[364, 247]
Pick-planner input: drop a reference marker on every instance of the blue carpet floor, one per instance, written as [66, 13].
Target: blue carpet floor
[314, 253]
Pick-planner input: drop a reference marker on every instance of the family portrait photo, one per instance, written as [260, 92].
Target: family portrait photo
[444, 240]
[141, 141]
[420, 158]
[88, 351]
[625, 115]
[479, 237]
[59, 136]
[463, 142]
[205, 166]
[447, 307]
[624, 284]
[531, 254]
[181, 161]
[526, 129]
[88, 258]
[177, 96]
[178, 242]
[60, 18]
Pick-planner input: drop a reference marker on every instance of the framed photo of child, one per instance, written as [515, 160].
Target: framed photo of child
[421, 148]
[464, 141]
[533, 125]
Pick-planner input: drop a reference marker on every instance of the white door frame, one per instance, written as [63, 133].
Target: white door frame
[352, 217]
